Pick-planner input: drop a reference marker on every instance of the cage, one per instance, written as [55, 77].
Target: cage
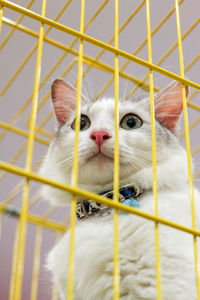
[115, 48]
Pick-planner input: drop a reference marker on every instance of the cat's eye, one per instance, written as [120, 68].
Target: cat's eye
[84, 123]
[130, 121]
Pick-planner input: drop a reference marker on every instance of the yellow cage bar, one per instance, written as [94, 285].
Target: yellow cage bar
[119, 46]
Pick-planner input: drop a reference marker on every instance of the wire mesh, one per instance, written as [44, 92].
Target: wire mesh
[128, 47]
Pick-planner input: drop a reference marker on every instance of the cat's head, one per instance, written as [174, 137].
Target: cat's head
[97, 139]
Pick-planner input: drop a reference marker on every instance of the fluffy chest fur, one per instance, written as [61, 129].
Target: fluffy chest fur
[94, 255]
[94, 237]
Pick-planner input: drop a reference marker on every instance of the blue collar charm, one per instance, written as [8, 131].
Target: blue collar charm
[127, 196]
[129, 199]
[131, 202]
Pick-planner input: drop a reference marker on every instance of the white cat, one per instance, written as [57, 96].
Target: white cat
[94, 235]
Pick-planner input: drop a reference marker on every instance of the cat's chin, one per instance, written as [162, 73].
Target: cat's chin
[99, 158]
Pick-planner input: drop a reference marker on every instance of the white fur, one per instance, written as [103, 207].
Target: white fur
[94, 238]
[94, 255]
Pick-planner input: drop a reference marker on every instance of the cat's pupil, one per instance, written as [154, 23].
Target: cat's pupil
[83, 123]
[131, 122]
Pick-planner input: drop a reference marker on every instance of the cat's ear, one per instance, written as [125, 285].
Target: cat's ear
[63, 99]
[169, 105]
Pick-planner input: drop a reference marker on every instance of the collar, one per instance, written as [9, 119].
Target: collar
[128, 195]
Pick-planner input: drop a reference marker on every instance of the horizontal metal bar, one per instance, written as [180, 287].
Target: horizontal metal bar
[23, 133]
[87, 59]
[91, 196]
[98, 43]
[36, 220]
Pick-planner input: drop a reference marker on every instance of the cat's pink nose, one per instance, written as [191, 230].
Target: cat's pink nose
[99, 137]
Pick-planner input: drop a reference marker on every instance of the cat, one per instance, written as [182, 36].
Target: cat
[93, 275]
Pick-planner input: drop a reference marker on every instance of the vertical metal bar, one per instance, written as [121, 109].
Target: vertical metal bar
[23, 219]
[187, 141]
[14, 262]
[54, 287]
[45, 79]
[135, 53]
[36, 263]
[116, 163]
[0, 220]
[1, 16]
[69, 292]
[153, 135]
[54, 292]
[132, 15]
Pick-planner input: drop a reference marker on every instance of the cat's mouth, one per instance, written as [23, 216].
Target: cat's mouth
[100, 157]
